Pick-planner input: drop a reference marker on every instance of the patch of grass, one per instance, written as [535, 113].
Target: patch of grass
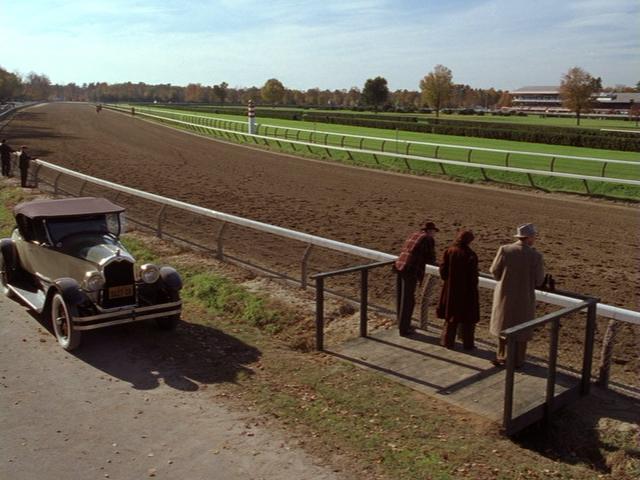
[9, 198]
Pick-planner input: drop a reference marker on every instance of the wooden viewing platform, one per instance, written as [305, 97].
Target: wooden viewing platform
[464, 378]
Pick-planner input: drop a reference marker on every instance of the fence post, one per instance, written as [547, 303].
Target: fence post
[551, 373]
[219, 245]
[607, 351]
[469, 155]
[361, 142]
[55, 184]
[35, 174]
[531, 180]
[304, 266]
[319, 314]
[364, 299]
[160, 218]
[509, 381]
[553, 161]
[586, 186]
[604, 168]
[587, 360]
[506, 160]
[435, 154]
[444, 172]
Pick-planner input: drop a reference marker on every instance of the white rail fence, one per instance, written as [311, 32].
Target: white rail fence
[394, 155]
[616, 315]
[407, 143]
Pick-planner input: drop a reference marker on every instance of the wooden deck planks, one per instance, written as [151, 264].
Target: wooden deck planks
[466, 379]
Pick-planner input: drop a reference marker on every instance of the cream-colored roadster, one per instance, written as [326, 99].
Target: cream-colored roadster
[65, 260]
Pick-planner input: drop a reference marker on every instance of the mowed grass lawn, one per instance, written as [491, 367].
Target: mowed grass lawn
[389, 145]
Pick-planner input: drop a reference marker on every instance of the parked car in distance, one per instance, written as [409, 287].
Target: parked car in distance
[65, 261]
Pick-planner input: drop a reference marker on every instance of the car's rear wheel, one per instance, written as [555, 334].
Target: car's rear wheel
[61, 318]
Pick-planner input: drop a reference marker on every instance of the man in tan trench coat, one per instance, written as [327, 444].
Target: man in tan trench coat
[519, 269]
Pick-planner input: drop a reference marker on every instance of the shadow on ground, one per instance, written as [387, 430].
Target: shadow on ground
[601, 430]
[144, 356]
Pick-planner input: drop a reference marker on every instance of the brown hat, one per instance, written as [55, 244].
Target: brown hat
[430, 226]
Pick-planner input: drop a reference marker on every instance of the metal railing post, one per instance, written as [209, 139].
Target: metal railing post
[552, 369]
[319, 314]
[364, 301]
[55, 184]
[304, 266]
[587, 361]
[160, 218]
[604, 368]
[84, 184]
[509, 383]
[219, 241]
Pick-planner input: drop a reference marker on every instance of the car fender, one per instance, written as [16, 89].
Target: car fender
[9, 253]
[69, 289]
[171, 278]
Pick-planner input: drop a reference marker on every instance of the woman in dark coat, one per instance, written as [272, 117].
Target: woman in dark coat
[459, 305]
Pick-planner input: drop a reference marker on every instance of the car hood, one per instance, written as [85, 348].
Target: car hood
[97, 249]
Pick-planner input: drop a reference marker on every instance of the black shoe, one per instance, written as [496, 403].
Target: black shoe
[498, 363]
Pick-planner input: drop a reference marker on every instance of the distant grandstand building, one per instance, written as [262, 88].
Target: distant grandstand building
[537, 99]
[547, 99]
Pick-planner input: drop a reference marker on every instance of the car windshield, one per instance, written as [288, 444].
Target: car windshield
[65, 227]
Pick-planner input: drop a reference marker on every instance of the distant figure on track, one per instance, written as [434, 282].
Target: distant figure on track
[459, 305]
[24, 161]
[133, 111]
[519, 269]
[5, 157]
[418, 250]
[98, 108]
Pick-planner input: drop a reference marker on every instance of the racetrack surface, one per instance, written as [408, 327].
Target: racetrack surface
[591, 247]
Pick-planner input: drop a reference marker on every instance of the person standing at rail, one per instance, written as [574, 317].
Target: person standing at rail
[24, 161]
[5, 157]
[519, 269]
[419, 249]
[459, 303]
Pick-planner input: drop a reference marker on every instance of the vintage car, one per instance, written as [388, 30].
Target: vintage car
[65, 260]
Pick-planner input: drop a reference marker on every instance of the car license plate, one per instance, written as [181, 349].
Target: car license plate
[121, 291]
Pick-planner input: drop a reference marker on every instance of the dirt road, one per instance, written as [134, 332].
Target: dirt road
[125, 409]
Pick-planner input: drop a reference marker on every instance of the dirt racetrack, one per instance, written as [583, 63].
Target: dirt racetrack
[590, 246]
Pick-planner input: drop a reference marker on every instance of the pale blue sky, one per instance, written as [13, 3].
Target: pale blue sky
[327, 44]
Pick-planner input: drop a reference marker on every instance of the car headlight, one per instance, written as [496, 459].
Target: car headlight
[93, 281]
[149, 273]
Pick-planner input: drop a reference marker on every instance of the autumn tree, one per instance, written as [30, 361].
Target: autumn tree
[37, 87]
[220, 91]
[505, 100]
[576, 89]
[375, 92]
[436, 87]
[10, 85]
[272, 91]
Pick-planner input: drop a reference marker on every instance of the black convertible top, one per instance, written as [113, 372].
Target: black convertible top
[66, 207]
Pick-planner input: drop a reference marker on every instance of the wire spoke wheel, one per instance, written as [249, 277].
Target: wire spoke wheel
[62, 321]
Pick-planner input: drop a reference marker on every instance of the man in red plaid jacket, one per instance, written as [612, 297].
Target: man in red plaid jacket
[419, 249]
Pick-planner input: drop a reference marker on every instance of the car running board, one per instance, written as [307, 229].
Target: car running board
[34, 298]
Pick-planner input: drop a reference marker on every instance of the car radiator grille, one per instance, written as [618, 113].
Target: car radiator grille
[117, 274]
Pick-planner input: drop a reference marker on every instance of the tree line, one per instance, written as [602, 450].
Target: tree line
[437, 91]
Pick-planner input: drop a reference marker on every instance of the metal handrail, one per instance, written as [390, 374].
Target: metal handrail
[485, 281]
[364, 297]
[552, 403]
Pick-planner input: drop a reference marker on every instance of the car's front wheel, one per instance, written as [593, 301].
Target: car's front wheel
[61, 318]
[171, 322]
